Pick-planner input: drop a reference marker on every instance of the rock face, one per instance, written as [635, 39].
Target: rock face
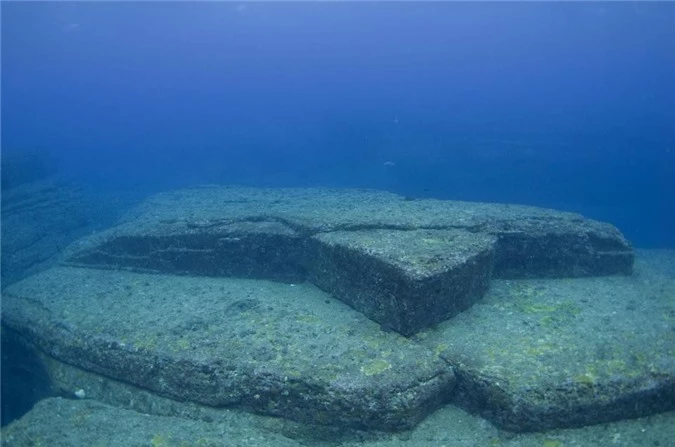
[357, 309]
[405, 264]
[405, 280]
[39, 220]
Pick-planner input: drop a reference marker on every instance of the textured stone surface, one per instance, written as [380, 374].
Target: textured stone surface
[531, 247]
[247, 249]
[74, 423]
[405, 280]
[268, 347]
[532, 355]
[540, 354]
[71, 381]
[289, 235]
[39, 220]
[71, 423]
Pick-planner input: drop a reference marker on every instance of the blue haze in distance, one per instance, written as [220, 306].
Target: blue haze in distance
[565, 105]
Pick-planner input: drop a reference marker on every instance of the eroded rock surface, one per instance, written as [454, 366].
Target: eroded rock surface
[39, 220]
[540, 354]
[273, 348]
[319, 234]
[405, 280]
[177, 300]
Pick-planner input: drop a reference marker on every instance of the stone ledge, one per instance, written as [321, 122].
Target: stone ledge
[540, 354]
[270, 348]
[531, 355]
[263, 250]
[404, 280]
[288, 235]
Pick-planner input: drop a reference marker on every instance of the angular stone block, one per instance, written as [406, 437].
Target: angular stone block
[296, 234]
[575, 247]
[277, 349]
[404, 280]
[246, 249]
[541, 354]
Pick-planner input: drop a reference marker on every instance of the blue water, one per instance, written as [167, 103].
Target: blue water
[564, 105]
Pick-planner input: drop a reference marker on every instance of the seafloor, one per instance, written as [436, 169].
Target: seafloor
[67, 422]
[226, 316]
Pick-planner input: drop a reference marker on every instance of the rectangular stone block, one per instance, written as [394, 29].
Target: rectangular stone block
[268, 250]
[407, 264]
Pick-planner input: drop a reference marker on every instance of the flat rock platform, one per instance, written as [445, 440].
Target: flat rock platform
[407, 264]
[540, 354]
[532, 355]
[535, 350]
[272, 348]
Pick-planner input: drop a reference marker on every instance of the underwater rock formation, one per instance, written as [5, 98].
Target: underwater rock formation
[405, 264]
[355, 309]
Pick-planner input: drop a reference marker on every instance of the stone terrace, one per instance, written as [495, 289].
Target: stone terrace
[407, 264]
[257, 299]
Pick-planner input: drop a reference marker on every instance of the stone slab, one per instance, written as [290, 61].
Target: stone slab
[221, 248]
[77, 384]
[278, 234]
[539, 354]
[73, 423]
[532, 355]
[273, 348]
[404, 280]
[531, 242]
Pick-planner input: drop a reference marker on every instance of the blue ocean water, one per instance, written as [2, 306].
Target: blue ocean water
[566, 105]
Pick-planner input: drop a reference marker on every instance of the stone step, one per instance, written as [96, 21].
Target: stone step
[531, 355]
[540, 354]
[316, 234]
[279, 349]
[404, 280]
